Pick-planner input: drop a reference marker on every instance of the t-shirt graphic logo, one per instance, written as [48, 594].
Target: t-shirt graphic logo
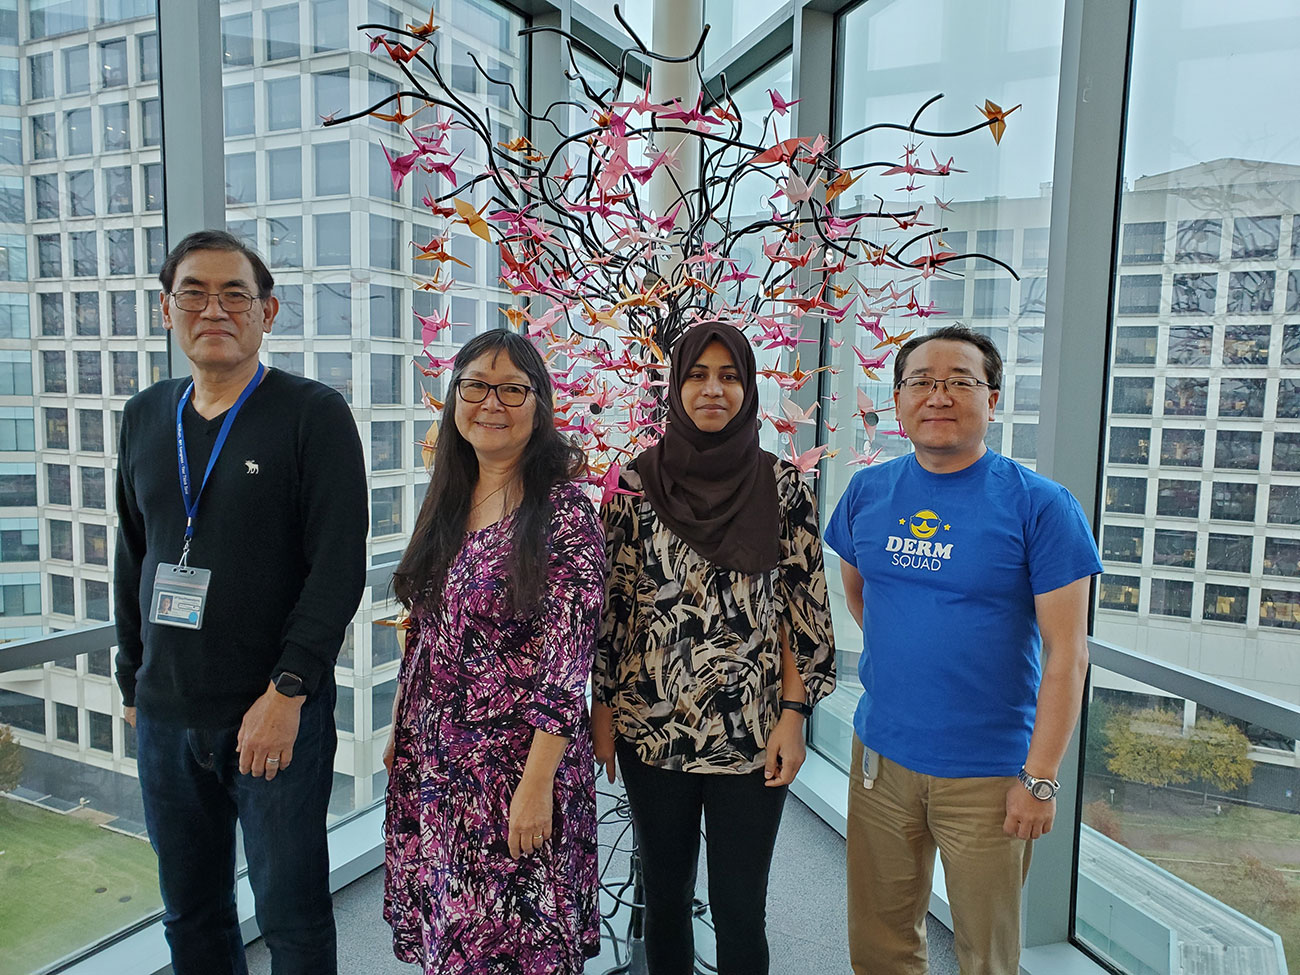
[924, 524]
[922, 550]
[252, 467]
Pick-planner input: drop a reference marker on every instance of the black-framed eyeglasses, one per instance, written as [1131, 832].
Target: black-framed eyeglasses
[508, 394]
[234, 302]
[953, 385]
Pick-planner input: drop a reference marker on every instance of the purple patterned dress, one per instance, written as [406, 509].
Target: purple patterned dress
[475, 681]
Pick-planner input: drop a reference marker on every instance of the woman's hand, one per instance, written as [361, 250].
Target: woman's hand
[530, 816]
[786, 750]
[602, 737]
[388, 753]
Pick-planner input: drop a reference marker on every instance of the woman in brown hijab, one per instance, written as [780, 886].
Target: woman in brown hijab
[715, 645]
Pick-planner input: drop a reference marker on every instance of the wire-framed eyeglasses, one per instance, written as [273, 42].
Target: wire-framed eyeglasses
[234, 302]
[953, 385]
[508, 394]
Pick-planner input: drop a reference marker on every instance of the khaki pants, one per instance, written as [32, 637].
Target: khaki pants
[894, 829]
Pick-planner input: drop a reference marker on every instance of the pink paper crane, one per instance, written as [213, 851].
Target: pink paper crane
[779, 104]
[400, 166]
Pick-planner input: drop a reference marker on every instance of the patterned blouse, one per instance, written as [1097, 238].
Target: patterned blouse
[689, 654]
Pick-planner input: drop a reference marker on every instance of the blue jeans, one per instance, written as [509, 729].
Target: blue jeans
[193, 795]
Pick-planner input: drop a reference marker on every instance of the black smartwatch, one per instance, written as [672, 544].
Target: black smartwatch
[290, 685]
[800, 706]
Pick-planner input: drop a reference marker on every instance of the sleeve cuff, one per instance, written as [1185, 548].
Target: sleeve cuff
[561, 715]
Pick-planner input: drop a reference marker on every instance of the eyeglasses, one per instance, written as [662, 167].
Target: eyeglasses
[234, 302]
[953, 385]
[508, 394]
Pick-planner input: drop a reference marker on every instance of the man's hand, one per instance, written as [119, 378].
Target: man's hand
[786, 750]
[602, 737]
[267, 734]
[531, 809]
[128, 715]
[1027, 817]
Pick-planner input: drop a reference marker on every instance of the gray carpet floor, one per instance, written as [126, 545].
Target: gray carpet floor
[805, 910]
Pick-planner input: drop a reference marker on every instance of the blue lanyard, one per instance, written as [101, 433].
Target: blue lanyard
[192, 502]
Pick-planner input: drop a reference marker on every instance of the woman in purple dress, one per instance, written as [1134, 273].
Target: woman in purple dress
[491, 826]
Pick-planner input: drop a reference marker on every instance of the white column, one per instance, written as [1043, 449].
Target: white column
[676, 31]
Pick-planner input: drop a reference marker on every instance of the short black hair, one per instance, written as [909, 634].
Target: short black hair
[956, 332]
[216, 240]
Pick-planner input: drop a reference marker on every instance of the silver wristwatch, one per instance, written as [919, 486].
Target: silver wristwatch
[1043, 789]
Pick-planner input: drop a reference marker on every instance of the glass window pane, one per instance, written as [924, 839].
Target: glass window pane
[335, 369]
[112, 66]
[76, 69]
[237, 40]
[333, 309]
[44, 144]
[332, 169]
[285, 241]
[283, 109]
[330, 25]
[284, 171]
[333, 239]
[1198, 240]
[149, 57]
[385, 445]
[118, 193]
[282, 33]
[79, 136]
[81, 193]
[40, 69]
[241, 178]
[1144, 243]
[238, 110]
[151, 122]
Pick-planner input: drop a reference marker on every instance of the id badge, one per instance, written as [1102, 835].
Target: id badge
[870, 767]
[179, 594]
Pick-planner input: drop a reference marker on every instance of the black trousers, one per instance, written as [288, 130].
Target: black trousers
[741, 817]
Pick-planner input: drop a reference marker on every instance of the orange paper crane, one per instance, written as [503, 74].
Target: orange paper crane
[473, 218]
[997, 118]
[436, 250]
[839, 184]
[399, 117]
[425, 29]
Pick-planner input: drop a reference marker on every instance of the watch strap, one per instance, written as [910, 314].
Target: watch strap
[1041, 789]
[801, 706]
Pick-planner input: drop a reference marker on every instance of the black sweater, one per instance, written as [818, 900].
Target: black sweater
[281, 526]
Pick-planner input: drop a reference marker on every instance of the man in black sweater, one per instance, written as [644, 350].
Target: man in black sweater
[240, 561]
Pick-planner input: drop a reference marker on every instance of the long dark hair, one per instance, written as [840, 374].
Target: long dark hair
[548, 458]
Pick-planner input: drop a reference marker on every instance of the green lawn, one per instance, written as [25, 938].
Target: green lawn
[50, 871]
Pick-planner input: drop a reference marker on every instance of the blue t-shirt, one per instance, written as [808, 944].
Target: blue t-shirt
[950, 566]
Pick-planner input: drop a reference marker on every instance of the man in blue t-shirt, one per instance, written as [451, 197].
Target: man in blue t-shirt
[969, 575]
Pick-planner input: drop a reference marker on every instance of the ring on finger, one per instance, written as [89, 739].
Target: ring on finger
[272, 761]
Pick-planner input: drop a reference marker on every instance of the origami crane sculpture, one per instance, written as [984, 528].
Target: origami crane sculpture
[606, 287]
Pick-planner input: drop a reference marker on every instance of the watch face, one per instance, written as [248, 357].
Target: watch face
[1043, 790]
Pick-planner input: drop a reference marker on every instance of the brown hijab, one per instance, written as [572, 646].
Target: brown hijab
[715, 491]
